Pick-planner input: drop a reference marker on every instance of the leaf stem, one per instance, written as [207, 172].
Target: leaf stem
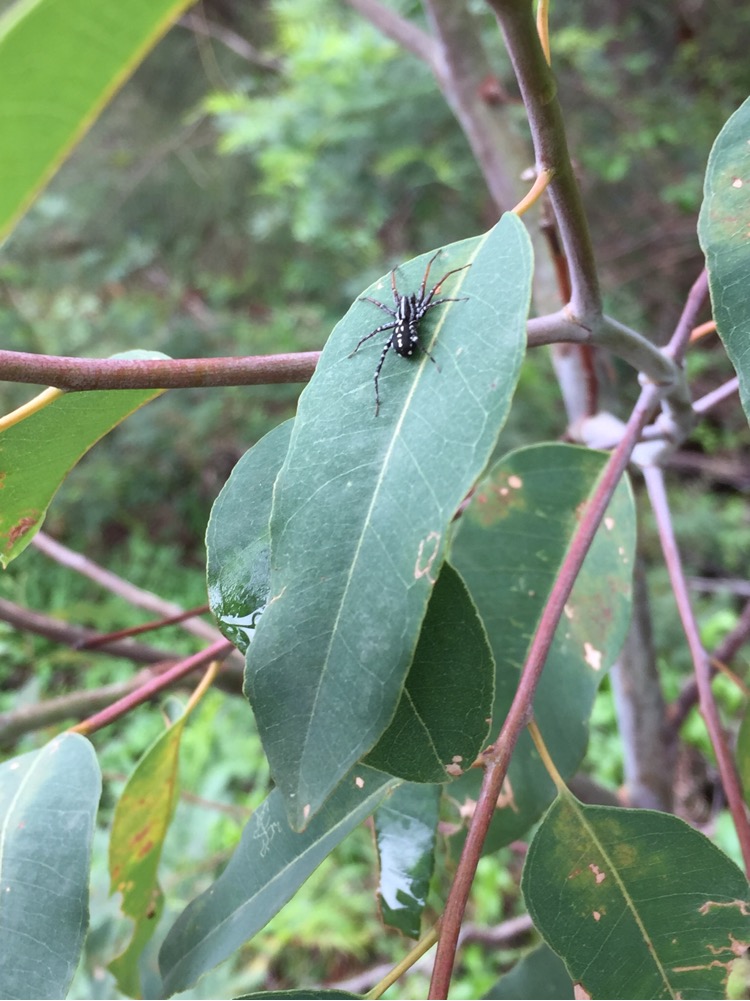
[545, 756]
[413, 955]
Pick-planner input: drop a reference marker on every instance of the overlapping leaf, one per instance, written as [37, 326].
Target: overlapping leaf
[723, 230]
[361, 510]
[269, 865]
[238, 541]
[540, 974]
[442, 719]
[638, 904]
[50, 94]
[405, 830]
[38, 450]
[509, 546]
[48, 803]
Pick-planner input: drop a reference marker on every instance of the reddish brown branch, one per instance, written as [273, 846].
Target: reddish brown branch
[137, 596]
[142, 373]
[498, 756]
[723, 654]
[730, 779]
[152, 687]
[25, 620]
[105, 639]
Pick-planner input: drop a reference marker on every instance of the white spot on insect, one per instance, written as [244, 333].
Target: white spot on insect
[359, 782]
[737, 182]
[428, 551]
[592, 656]
[609, 523]
[515, 481]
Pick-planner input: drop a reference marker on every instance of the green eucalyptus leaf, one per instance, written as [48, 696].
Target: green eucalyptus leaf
[442, 719]
[60, 63]
[405, 832]
[362, 508]
[269, 865]
[723, 232]
[48, 804]
[38, 450]
[238, 540]
[540, 974]
[510, 544]
[637, 903]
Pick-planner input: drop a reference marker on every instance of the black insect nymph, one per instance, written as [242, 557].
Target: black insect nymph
[410, 310]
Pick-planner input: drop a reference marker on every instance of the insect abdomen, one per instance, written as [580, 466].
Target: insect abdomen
[406, 335]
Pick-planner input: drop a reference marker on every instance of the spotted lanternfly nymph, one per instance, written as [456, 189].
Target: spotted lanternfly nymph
[410, 310]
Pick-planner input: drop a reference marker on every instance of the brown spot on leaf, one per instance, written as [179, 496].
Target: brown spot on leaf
[20, 529]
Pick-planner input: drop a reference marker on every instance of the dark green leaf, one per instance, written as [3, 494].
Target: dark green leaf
[540, 974]
[442, 719]
[362, 507]
[638, 904]
[723, 230]
[405, 827]
[509, 546]
[269, 865]
[238, 540]
[39, 449]
[48, 803]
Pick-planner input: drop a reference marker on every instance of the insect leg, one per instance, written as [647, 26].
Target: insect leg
[382, 305]
[386, 349]
[397, 297]
[429, 355]
[377, 330]
[426, 275]
[436, 288]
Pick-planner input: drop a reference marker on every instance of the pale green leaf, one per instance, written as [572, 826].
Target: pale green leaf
[38, 450]
[48, 804]
[60, 62]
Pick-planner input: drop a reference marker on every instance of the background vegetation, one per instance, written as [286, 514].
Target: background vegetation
[259, 169]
